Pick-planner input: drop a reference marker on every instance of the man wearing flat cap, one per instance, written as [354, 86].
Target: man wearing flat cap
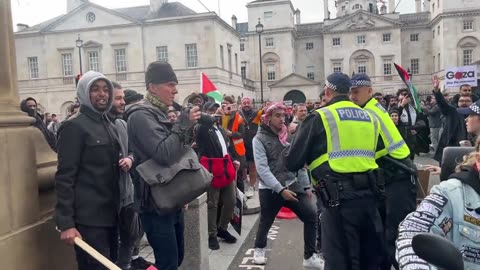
[338, 144]
[152, 136]
[392, 152]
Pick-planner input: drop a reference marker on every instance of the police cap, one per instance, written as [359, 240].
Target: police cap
[361, 79]
[338, 82]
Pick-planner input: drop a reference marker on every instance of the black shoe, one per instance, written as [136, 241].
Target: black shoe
[140, 263]
[226, 236]
[213, 243]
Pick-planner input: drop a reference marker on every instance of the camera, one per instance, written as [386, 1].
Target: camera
[204, 117]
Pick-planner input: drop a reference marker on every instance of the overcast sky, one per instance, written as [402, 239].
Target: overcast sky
[32, 12]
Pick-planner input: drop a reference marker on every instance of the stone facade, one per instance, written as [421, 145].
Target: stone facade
[363, 37]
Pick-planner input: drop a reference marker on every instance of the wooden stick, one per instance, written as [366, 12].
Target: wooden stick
[95, 254]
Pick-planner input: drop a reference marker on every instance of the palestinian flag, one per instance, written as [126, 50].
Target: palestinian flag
[209, 89]
[413, 91]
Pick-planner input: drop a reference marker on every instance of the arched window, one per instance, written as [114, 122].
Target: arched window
[468, 50]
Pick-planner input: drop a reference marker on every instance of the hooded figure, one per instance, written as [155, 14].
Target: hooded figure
[87, 179]
[49, 136]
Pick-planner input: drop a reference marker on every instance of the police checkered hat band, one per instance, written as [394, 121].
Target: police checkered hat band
[330, 85]
[475, 108]
[361, 83]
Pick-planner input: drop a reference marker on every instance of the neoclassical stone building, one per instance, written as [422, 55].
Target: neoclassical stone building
[365, 36]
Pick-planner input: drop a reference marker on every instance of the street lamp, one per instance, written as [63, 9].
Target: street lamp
[409, 74]
[79, 44]
[259, 29]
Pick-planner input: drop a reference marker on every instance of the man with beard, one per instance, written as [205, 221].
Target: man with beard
[454, 129]
[86, 181]
[251, 127]
[29, 106]
[400, 185]
[129, 224]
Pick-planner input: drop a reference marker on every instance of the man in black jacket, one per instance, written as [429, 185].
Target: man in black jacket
[152, 136]
[29, 105]
[88, 171]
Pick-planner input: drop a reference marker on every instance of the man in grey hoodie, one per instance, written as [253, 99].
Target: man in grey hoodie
[86, 182]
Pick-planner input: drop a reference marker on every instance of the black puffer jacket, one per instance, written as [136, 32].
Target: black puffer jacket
[49, 136]
[87, 178]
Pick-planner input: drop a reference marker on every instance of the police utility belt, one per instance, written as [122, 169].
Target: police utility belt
[329, 188]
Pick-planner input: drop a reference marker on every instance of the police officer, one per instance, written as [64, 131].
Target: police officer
[393, 157]
[338, 143]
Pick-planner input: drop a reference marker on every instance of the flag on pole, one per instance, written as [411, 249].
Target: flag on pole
[209, 89]
[408, 82]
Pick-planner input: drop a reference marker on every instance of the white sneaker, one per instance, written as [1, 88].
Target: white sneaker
[249, 192]
[259, 256]
[314, 262]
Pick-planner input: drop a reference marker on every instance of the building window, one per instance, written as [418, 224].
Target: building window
[191, 52]
[343, 8]
[162, 54]
[267, 16]
[433, 33]
[269, 42]
[243, 72]
[337, 67]
[387, 67]
[336, 42]
[439, 62]
[222, 59]
[433, 62]
[433, 7]
[271, 72]
[242, 47]
[362, 67]
[33, 67]
[309, 46]
[467, 57]
[311, 75]
[438, 30]
[67, 64]
[236, 63]
[361, 39]
[413, 37]
[387, 37]
[357, 6]
[120, 60]
[93, 61]
[414, 66]
[467, 25]
[230, 68]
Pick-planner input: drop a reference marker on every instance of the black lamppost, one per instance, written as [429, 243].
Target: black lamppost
[259, 29]
[410, 74]
[79, 44]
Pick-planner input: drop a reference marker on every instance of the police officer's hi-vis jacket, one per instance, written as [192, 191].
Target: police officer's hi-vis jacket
[394, 145]
[452, 210]
[339, 138]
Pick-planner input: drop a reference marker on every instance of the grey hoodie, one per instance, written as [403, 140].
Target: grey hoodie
[83, 90]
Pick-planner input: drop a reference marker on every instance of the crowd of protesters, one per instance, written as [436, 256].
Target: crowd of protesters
[109, 131]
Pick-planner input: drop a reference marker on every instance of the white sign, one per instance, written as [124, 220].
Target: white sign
[457, 76]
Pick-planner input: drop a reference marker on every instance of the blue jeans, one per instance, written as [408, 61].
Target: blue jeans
[165, 235]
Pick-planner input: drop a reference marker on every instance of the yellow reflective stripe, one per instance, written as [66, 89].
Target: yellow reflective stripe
[332, 125]
[317, 162]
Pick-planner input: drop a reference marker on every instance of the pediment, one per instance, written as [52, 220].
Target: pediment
[87, 16]
[362, 20]
[91, 44]
[468, 44]
[293, 80]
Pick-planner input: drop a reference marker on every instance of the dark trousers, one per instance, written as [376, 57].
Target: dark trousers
[165, 235]
[103, 239]
[352, 236]
[270, 204]
[129, 230]
[400, 201]
[319, 227]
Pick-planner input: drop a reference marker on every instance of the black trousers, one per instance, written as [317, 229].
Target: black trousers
[352, 235]
[319, 228]
[130, 231]
[401, 196]
[270, 204]
[103, 239]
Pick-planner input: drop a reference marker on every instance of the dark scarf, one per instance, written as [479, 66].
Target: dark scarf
[469, 176]
[156, 102]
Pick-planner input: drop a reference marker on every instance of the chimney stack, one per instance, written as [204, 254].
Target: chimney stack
[326, 14]
[297, 17]
[234, 22]
[383, 9]
[426, 5]
[21, 27]
[391, 6]
[418, 6]
[155, 5]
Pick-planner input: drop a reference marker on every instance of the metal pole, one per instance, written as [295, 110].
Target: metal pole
[80, 59]
[261, 69]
